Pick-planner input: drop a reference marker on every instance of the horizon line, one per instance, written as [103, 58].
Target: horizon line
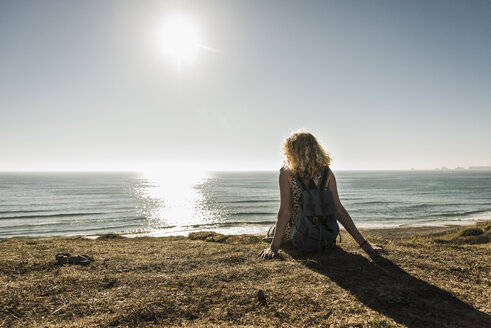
[471, 168]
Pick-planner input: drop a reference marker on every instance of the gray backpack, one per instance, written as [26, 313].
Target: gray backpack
[315, 227]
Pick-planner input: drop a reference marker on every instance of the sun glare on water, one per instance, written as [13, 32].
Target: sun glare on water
[179, 39]
[174, 199]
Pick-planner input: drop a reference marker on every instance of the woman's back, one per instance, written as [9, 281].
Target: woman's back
[296, 195]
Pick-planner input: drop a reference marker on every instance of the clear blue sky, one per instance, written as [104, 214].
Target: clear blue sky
[383, 84]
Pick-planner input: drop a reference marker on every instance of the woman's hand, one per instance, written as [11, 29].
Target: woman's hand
[372, 248]
[267, 253]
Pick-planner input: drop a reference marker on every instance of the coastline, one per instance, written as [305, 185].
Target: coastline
[261, 229]
[430, 277]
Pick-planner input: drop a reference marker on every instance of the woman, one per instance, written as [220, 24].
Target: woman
[305, 158]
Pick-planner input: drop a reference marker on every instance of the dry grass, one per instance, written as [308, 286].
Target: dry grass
[439, 280]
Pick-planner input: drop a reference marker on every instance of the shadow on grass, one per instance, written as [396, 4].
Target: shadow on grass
[386, 288]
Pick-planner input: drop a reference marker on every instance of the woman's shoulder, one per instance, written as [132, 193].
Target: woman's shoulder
[285, 173]
[284, 170]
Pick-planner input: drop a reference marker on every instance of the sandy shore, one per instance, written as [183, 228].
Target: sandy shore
[431, 277]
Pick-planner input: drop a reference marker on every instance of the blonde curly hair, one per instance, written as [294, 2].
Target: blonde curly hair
[304, 156]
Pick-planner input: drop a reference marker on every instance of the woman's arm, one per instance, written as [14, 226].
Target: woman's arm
[345, 219]
[283, 216]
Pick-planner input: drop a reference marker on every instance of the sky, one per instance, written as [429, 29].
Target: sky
[85, 85]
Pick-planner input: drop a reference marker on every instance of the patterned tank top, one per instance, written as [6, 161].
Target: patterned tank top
[295, 195]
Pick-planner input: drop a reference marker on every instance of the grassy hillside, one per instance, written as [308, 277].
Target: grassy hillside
[429, 278]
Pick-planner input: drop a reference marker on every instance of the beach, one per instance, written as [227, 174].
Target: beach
[430, 277]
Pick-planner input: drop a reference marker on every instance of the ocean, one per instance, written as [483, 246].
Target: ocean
[63, 204]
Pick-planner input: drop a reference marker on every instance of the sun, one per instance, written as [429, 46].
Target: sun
[179, 39]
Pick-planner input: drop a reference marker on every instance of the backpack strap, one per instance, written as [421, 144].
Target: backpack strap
[325, 174]
[301, 183]
[312, 184]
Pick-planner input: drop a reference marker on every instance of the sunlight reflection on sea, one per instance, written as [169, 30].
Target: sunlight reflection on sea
[173, 199]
